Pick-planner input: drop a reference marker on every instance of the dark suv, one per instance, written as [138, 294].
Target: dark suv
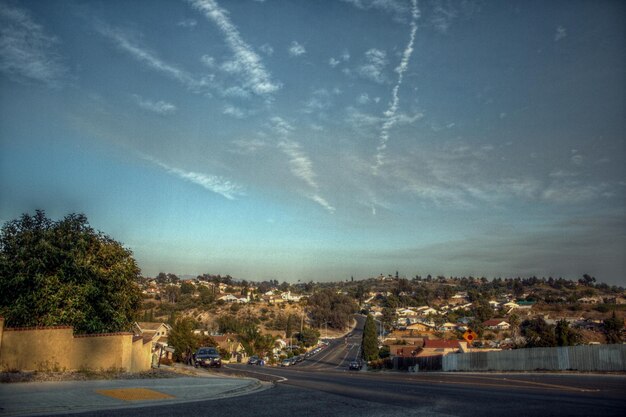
[208, 357]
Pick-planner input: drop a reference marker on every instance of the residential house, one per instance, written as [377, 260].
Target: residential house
[440, 347]
[422, 327]
[156, 333]
[229, 343]
[228, 298]
[496, 324]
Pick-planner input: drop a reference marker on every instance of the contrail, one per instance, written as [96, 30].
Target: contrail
[390, 113]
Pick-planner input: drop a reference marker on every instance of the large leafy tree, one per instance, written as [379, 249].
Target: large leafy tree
[66, 273]
[184, 341]
[329, 308]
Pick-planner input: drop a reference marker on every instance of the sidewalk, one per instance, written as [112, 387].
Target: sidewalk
[37, 398]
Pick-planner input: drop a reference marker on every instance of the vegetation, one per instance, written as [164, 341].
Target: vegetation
[66, 273]
[184, 341]
[370, 341]
[613, 328]
[332, 309]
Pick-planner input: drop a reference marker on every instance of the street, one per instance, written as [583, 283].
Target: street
[323, 385]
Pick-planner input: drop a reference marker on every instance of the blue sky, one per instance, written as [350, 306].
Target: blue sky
[299, 140]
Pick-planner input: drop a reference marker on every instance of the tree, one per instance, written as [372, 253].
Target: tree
[565, 336]
[187, 288]
[370, 341]
[172, 293]
[256, 343]
[308, 336]
[183, 339]
[66, 273]
[538, 333]
[389, 317]
[328, 307]
[613, 328]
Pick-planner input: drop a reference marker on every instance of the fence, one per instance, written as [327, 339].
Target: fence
[423, 363]
[579, 358]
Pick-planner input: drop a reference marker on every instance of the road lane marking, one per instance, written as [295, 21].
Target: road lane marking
[504, 382]
[281, 378]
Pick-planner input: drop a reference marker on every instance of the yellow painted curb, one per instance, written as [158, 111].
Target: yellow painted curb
[134, 394]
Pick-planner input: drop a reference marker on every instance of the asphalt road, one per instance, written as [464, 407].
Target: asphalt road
[323, 386]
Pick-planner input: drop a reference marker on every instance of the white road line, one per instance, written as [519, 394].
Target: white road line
[282, 378]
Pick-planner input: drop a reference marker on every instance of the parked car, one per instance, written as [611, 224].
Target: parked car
[355, 366]
[286, 362]
[208, 357]
[254, 360]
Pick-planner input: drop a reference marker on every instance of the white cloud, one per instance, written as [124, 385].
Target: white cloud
[442, 15]
[345, 55]
[280, 126]
[561, 33]
[160, 107]
[296, 49]
[300, 164]
[27, 53]
[234, 111]
[246, 61]
[216, 184]
[390, 114]
[375, 63]
[319, 101]
[322, 202]
[363, 98]
[123, 42]
[236, 91]
[188, 23]
[333, 62]
[208, 60]
[267, 49]
[390, 6]
[247, 146]
[577, 159]
[564, 191]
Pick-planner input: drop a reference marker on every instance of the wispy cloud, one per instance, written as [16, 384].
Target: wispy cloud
[27, 53]
[234, 111]
[375, 63]
[124, 42]
[300, 164]
[160, 107]
[561, 33]
[246, 61]
[188, 23]
[390, 114]
[248, 146]
[395, 7]
[296, 49]
[216, 184]
[267, 49]
[443, 14]
[333, 62]
[320, 100]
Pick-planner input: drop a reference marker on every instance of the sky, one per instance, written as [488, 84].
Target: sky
[323, 140]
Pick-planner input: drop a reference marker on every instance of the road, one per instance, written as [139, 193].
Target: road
[323, 386]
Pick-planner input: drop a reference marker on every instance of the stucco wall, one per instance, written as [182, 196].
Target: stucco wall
[141, 358]
[37, 348]
[102, 351]
[56, 349]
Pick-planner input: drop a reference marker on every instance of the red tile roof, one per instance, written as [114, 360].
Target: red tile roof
[441, 344]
